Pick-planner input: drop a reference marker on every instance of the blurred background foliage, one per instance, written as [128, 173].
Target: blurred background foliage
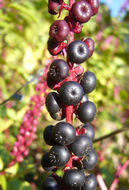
[24, 29]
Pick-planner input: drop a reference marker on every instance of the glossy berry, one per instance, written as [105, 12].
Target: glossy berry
[86, 112]
[48, 135]
[53, 6]
[53, 102]
[88, 81]
[94, 5]
[53, 47]
[84, 98]
[90, 44]
[59, 155]
[77, 52]
[71, 93]
[74, 179]
[91, 182]
[59, 30]
[64, 133]
[81, 145]
[58, 70]
[46, 165]
[50, 83]
[90, 160]
[81, 11]
[50, 184]
[89, 131]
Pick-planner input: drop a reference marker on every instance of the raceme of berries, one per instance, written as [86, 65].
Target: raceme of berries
[71, 148]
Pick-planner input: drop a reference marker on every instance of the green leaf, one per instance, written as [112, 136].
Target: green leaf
[5, 124]
[3, 182]
[13, 170]
[1, 164]
[18, 185]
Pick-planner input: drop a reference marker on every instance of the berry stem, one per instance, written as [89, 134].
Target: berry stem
[69, 114]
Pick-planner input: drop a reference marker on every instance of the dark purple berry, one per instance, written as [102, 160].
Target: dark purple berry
[59, 30]
[46, 165]
[48, 135]
[54, 106]
[51, 83]
[81, 145]
[90, 159]
[58, 70]
[53, 47]
[94, 5]
[71, 93]
[74, 179]
[64, 133]
[89, 131]
[90, 44]
[91, 183]
[53, 6]
[51, 184]
[86, 112]
[81, 11]
[88, 81]
[53, 102]
[59, 155]
[77, 52]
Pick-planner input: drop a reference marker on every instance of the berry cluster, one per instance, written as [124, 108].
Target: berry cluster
[28, 127]
[71, 147]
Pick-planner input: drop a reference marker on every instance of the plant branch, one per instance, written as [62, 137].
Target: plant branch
[118, 174]
[13, 96]
[112, 134]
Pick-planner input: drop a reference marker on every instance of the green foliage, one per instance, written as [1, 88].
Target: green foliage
[24, 28]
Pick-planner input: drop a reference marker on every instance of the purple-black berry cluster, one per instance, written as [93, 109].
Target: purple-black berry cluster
[71, 147]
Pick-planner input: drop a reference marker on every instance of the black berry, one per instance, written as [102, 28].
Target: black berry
[90, 160]
[81, 11]
[71, 93]
[58, 70]
[59, 155]
[74, 179]
[53, 102]
[46, 164]
[86, 112]
[53, 47]
[89, 131]
[81, 145]
[91, 183]
[50, 184]
[88, 81]
[77, 52]
[48, 135]
[64, 133]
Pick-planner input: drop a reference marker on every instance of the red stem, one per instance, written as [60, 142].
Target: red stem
[118, 174]
[69, 114]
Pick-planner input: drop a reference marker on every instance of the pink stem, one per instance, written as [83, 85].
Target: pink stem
[101, 182]
[118, 174]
